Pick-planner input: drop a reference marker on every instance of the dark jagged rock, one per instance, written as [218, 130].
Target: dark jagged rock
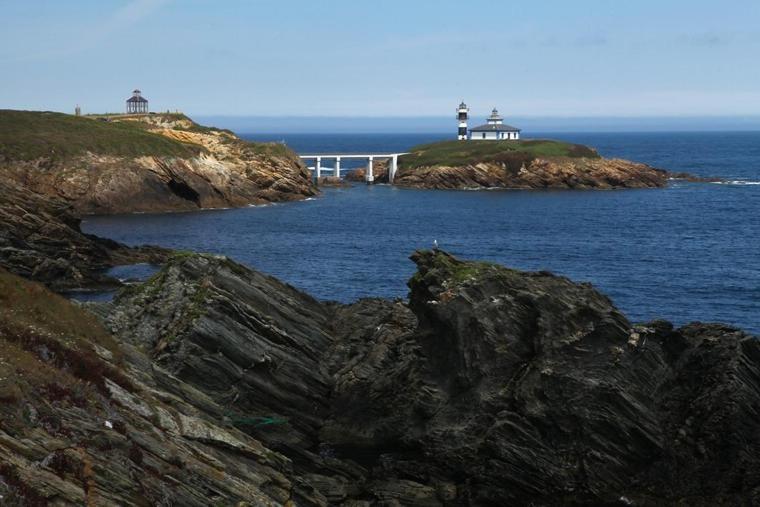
[40, 239]
[85, 420]
[247, 340]
[489, 387]
[526, 388]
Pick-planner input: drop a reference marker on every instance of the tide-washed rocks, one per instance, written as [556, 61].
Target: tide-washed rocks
[40, 239]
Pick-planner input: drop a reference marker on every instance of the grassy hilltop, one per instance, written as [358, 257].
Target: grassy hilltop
[462, 153]
[27, 135]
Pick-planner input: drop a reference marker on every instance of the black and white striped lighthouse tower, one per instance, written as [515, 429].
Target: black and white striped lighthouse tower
[462, 117]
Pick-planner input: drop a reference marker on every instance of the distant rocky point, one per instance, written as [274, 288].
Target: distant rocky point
[522, 164]
[144, 163]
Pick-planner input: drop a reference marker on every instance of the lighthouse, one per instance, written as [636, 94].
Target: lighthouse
[462, 117]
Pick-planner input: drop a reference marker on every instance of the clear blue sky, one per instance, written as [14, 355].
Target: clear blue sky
[385, 57]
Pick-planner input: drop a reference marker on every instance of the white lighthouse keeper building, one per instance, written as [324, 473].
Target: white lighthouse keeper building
[494, 130]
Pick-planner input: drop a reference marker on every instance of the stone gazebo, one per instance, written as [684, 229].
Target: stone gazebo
[137, 104]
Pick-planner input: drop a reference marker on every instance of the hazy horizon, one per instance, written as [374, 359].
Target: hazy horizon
[588, 58]
[401, 125]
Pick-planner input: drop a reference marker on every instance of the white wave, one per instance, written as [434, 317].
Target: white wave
[737, 182]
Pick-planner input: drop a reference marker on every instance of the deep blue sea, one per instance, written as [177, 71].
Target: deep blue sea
[687, 252]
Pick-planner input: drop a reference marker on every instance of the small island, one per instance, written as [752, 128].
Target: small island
[520, 164]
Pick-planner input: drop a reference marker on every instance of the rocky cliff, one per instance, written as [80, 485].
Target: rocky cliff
[520, 165]
[144, 163]
[40, 239]
[212, 383]
[555, 172]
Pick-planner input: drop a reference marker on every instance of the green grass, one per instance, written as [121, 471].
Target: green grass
[28, 135]
[457, 272]
[459, 153]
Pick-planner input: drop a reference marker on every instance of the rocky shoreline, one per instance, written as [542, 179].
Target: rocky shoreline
[145, 163]
[548, 173]
[212, 383]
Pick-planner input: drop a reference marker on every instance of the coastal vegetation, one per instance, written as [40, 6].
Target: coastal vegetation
[459, 153]
[29, 135]
[148, 162]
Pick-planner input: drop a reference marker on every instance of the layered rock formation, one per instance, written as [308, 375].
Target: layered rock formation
[550, 172]
[214, 384]
[523, 164]
[145, 163]
[40, 239]
[491, 387]
[86, 420]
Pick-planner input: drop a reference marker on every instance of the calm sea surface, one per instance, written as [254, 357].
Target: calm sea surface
[686, 252]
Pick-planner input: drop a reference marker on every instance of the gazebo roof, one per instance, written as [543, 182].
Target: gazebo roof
[136, 99]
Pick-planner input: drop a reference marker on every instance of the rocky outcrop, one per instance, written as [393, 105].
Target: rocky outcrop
[332, 181]
[379, 172]
[40, 239]
[525, 388]
[490, 387]
[188, 167]
[85, 420]
[546, 172]
[214, 383]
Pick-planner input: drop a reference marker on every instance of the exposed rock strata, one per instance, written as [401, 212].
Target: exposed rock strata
[552, 172]
[213, 383]
[492, 387]
[40, 239]
[224, 172]
[85, 420]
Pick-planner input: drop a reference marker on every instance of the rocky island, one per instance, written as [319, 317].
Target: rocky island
[520, 164]
[144, 163]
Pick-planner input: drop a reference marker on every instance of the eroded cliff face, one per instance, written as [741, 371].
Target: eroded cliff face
[551, 172]
[88, 420]
[224, 171]
[212, 383]
[40, 239]
[490, 387]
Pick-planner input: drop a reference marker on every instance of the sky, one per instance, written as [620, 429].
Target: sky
[390, 58]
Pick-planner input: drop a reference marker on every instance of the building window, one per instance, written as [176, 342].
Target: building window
[484, 135]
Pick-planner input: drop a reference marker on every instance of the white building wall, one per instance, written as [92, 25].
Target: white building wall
[494, 136]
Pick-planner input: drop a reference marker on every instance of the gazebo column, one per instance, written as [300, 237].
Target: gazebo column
[319, 168]
[337, 167]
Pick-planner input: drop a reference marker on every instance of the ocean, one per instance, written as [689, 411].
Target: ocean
[682, 253]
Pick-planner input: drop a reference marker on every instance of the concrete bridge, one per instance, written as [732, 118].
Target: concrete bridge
[317, 168]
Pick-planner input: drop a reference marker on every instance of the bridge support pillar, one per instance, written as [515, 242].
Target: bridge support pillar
[319, 168]
[337, 167]
[392, 169]
[370, 174]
